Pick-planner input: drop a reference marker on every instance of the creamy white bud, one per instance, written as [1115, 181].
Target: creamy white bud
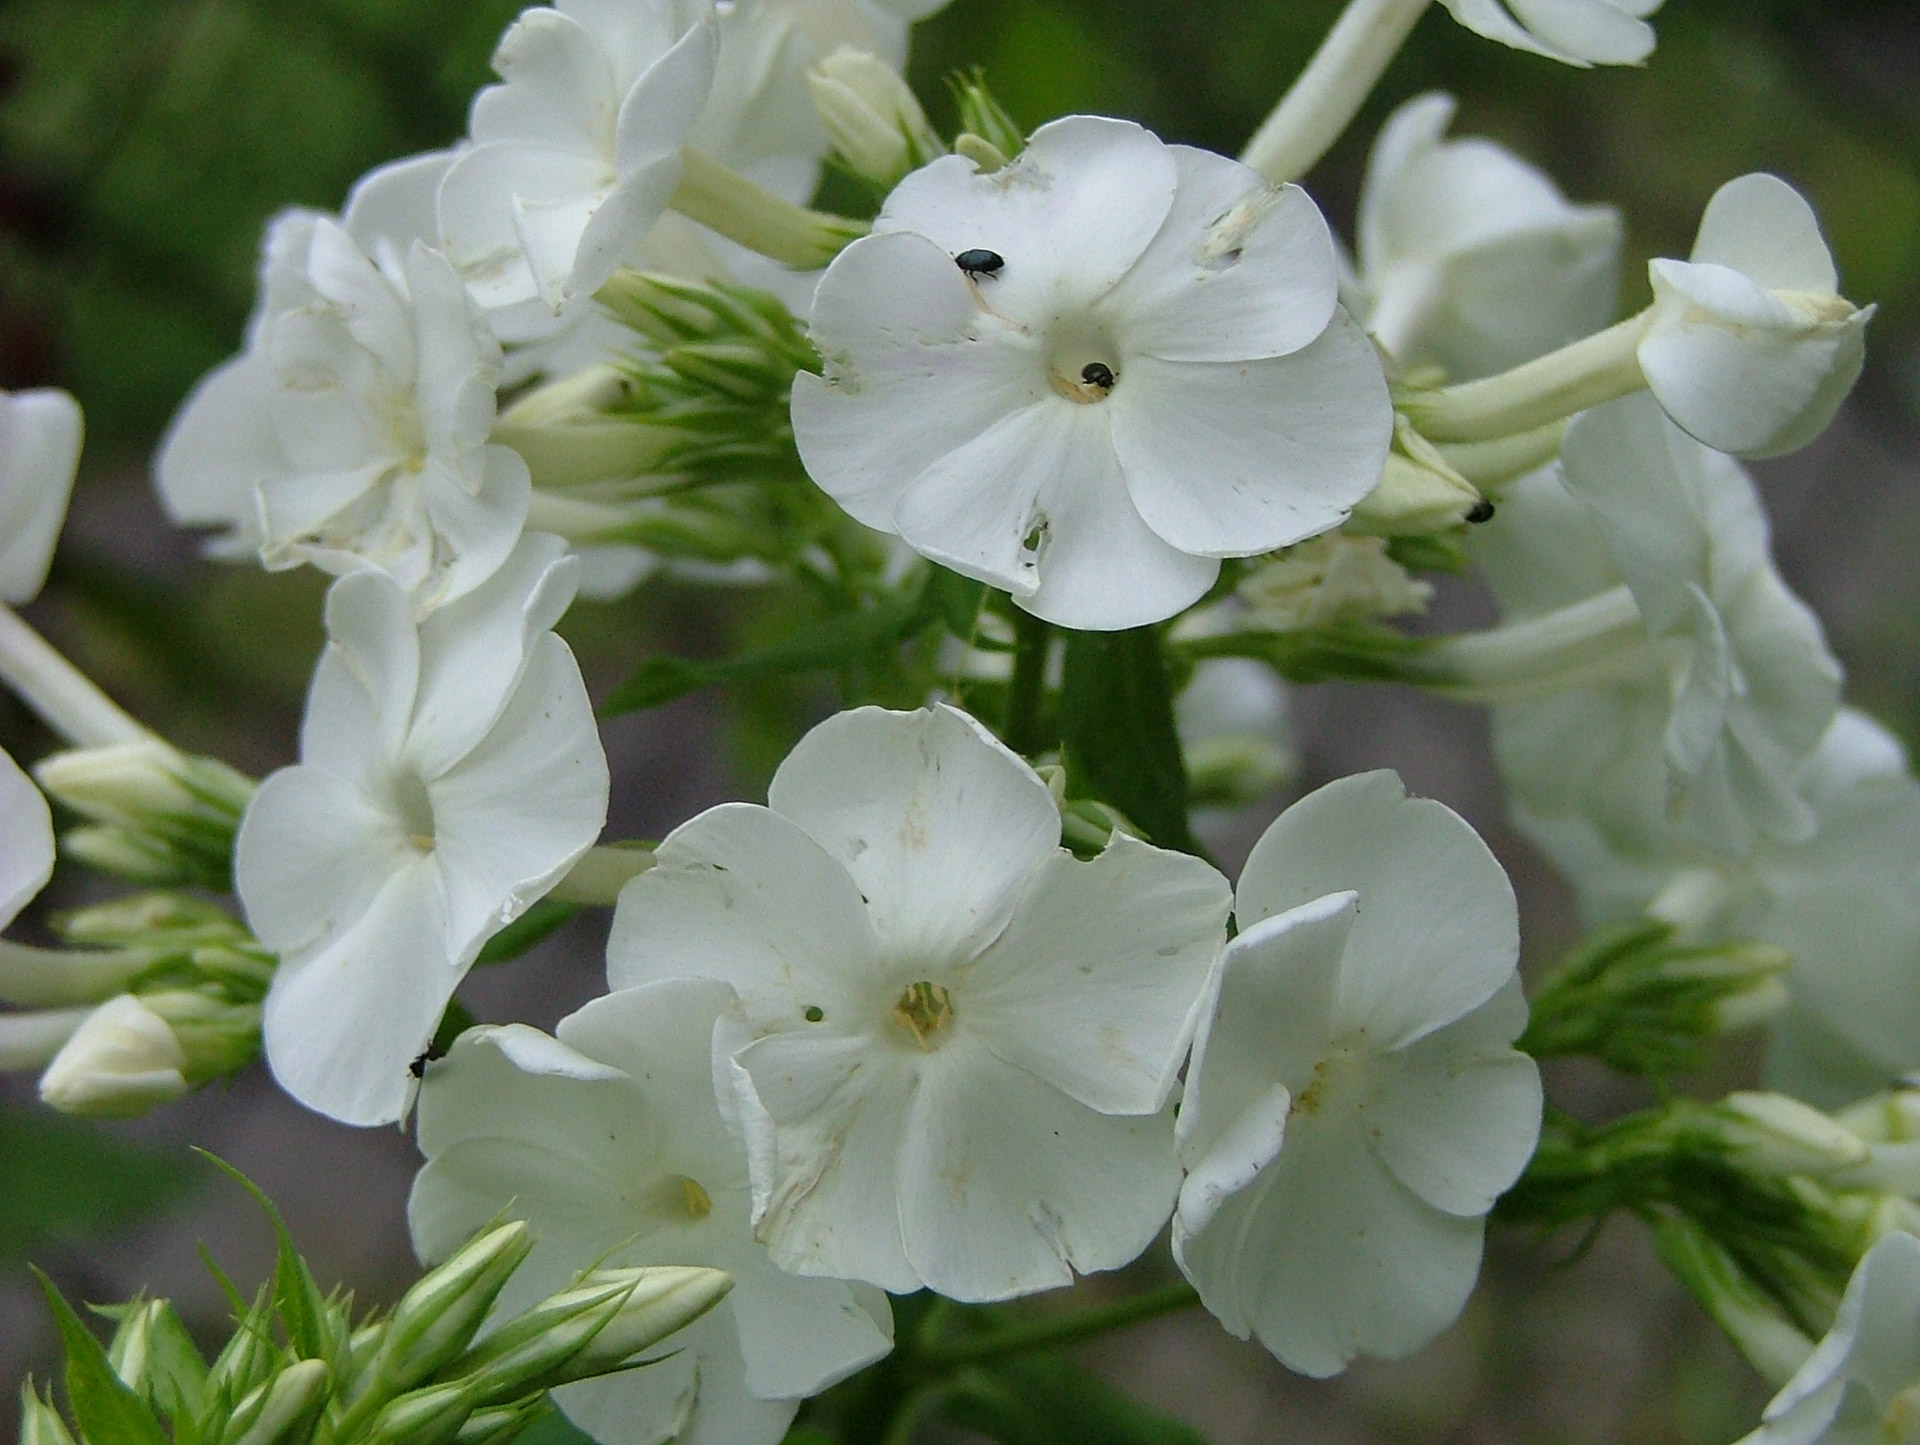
[1774, 1134]
[872, 116]
[123, 1061]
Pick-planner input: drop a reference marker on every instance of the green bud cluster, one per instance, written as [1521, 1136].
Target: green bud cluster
[153, 814]
[1640, 1001]
[989, 136]
[299, 1371]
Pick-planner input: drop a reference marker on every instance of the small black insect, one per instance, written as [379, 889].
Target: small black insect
[1482, 511]
[1096, 373]
[977, 263]
[418, 1068]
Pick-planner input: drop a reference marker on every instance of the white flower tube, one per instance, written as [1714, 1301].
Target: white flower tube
[961, 1040]
[353, 429]
[609, 1141]
[450, 775]
[576, 153]
[1471, 259]
[1862, 1382]
[1750, 347]
[1354, 1105]
[1089, 376]
[39, 451]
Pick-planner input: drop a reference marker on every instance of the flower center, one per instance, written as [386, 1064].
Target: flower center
[1084, 365]
[924, 1009]
[415, 808]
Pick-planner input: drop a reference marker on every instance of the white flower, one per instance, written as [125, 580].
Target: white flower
[39, 450]
[1861, 1385]
[1844, 902]
[1749, 346]
[1691, 681]
[1580, 32]
[353, 429]
[1145, 370]
[1470, 258]
[122, 1061]
[26, 840]
[963, 1038]
[1354, 1106]
[450, 774]
[577, 153]
[610, 1143]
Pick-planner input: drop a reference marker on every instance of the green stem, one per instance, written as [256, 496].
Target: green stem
[1026, 694]
[743, 211]
[66, 699]
[1100, 1320]
[1597, 368]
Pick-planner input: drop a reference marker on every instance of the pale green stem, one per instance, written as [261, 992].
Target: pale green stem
[1599, 640]
[29, 1041]
[56, 977]
[1491, 464]
[601, 873]
[750, 214]
[1595, 369]
[64, 697]
[574, 518]
[1330, 91]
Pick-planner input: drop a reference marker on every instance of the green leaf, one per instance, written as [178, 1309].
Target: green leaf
[296, 1295]
[1117, 731]
[529, 929]
[1046, 1400]
[105, 1409]
[835, 642]
[63, 1181]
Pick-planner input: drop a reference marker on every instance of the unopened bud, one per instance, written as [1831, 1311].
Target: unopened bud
[40, 1423]
[873, 118]
[498, 1424]
[154, 1355]
[1773, 1134]
[986, 124]
[159, 815]
[278, 1409]
[664, 1299]
[440, 1315]
[427, 1416]
[122, 1061]
[1419, 492]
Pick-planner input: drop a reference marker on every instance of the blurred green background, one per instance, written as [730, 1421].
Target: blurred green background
[144, 142]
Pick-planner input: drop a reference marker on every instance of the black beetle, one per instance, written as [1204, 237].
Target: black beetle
[1096, 373]
[977, 263]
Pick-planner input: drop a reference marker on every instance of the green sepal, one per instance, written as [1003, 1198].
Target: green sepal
[296, 1295]
[1117, 732]
[107, 1412]
[1361, 652]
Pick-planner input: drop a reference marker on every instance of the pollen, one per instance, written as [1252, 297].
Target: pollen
[924, 1009]
[699, 1203]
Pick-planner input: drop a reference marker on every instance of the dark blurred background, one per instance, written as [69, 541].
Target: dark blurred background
[143, 143]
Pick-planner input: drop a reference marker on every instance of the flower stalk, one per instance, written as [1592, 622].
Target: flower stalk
[1595, 369]
[748, 213]
[65, 698]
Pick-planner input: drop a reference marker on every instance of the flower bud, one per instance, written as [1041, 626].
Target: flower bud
[40, 1423]
[440, 1315]
[1330, 579]
[427, 1416]
[873, 118]
[160, 816]
[1752, 1319]
[1773, 1134]
[48, 977]
[663, 1299]
[1419, 493]
[154, 1355]
[501, 1423]
[122, 1061]
[277, 1409]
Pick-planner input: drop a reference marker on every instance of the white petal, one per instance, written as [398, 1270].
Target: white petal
[376, 315]
[915, 367]
[741, 894]
[312, 854]
[1093, 985]
[392, 206]
[1856, 950]
[371, 635]
[343, 1023]
[1408, 136]
[1328, 1256]
[1763, 228]
[1437, 932]
[647, 1406]
[1070, 214]
[478, 529]
[491, 188]
[1234, 1158]
[934, 819]
[458, 359]
[1239, 269]
[661, 108]
[1456, 1115]
[472, 650]
[220, 446]
[39, 450]
[1268, 1021]
[1490, 18]
[839, 1107]
[26, 840]
[559, 89]
[1230, 460]
[1597, 31]
[512, 816]
[331, 400]
[1007, 1186]
[799, 1335]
